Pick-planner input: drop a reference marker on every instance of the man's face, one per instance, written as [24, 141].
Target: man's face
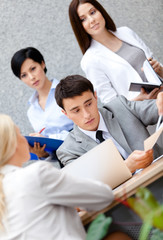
[83, 111]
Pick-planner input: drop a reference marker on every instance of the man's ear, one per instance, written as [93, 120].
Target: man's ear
[64, 112]
[95, 94]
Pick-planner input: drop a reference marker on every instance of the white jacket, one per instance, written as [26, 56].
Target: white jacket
[111, 74]
[41, 201]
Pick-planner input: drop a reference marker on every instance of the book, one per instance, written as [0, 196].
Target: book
[154, 80]
[51, 144]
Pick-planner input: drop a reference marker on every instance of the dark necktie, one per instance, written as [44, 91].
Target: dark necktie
[99, 136]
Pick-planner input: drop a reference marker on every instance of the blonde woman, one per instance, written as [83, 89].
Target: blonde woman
[36, 201]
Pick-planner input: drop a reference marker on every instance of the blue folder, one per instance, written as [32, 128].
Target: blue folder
[33, 156]
[51, 144]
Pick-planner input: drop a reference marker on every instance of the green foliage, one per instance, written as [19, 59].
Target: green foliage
[145, 230]
[156, 234]
[147, 207]
[149, 210]
[99, 227]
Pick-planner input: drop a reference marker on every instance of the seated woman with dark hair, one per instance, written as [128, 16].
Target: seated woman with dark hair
[36, 202]
[28, 64]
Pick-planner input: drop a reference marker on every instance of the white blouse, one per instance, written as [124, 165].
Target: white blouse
[111, 74]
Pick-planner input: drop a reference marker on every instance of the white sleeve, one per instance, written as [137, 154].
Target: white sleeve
[61, 135]
[98, 74]
[65, 190]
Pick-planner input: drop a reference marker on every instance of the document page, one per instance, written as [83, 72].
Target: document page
[150, 142]
[150, 73]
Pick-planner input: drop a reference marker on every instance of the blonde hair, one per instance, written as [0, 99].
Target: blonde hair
[8, 143]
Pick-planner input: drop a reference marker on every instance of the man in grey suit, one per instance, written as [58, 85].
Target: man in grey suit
[121, 120]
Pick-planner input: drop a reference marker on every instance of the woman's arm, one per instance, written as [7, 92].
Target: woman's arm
[62, 189]
[96, 72]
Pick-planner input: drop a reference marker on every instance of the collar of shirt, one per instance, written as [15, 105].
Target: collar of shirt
[8, 168]
[106, 135]
[101, 126]
[35, 94]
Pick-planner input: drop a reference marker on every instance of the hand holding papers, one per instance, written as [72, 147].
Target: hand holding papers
[150, 142]
[103, 163]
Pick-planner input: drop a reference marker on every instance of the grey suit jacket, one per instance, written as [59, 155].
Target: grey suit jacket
[126, 122]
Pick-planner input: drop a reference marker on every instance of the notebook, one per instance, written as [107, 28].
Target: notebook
[103, 163]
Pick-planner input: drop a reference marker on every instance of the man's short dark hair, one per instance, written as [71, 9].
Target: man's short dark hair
[71, 86]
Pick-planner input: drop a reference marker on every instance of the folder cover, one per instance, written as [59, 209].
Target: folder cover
[51, 144]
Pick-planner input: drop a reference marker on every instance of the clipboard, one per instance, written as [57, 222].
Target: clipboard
[51, 144]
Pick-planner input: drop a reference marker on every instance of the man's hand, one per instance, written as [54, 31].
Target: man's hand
[39, 151]
[159, 103]
[139, 159]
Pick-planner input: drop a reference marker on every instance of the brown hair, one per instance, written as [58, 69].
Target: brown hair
[83, 38]
[71, 86]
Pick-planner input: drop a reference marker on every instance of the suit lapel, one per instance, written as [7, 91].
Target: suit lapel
[115, 129]
[86, 142]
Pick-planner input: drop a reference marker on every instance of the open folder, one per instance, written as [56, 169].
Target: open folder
[154, 81]
[104, 163]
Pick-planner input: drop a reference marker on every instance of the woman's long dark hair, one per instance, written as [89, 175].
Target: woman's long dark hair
[83, 38]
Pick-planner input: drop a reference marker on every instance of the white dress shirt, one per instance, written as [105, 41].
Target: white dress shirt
[106, 135]
[40, 201]
[56, 124]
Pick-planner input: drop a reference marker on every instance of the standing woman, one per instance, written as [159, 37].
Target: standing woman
[36, 201]
[113, 57]
[44, 114]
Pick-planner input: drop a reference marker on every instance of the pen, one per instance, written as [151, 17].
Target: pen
[41, 130]
[158, 123]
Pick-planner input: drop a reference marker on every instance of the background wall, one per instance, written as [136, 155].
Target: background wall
[44, 24]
